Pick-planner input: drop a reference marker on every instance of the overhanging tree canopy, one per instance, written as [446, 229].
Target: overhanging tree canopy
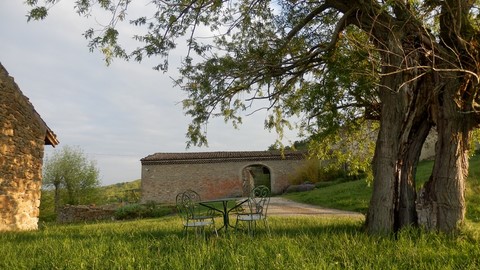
[411, 64]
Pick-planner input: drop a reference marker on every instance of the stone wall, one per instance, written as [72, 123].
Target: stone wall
[82, 213]
[22, 140]
[162, 182]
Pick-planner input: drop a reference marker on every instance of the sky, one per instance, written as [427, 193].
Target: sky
[116, 114]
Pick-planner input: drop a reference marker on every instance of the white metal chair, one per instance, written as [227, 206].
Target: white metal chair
[192, 214]
[256, 209]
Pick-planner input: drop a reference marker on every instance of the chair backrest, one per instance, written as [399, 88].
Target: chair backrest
[181, 209]
[186, 202]
[259, 200]
[192, 195]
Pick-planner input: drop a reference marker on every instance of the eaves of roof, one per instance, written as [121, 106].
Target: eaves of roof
[220, 157]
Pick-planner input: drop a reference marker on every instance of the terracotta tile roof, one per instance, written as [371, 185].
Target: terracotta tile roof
[213, 157]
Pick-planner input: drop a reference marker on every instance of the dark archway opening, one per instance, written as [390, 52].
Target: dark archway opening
[254, 176]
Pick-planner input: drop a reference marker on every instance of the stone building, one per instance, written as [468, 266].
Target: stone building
[23, 135]
[216, 174]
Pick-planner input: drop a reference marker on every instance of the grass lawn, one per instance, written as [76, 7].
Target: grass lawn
[293, 243]
[313, 242]
[355, 195]
[351, 196]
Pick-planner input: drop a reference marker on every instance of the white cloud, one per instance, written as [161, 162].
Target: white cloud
[117, 114]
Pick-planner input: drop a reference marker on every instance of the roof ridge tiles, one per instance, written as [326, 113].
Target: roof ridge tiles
[219, 156]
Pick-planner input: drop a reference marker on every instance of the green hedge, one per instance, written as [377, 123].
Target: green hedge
[136, 211]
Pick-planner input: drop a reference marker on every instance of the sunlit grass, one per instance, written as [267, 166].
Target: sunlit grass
[355, 195]
[351, 196]
[293, 243]
[313, 242]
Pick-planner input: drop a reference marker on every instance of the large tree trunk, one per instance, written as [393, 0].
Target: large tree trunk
[380, 216]
[406, 112]
[441, 205]
[416, 127]
[404, 126]
[405, 214]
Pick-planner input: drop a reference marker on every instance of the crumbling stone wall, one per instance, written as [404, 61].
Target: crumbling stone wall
[22, 140]
[79, 213]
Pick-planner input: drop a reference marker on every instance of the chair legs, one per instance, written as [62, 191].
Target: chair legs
[200, 229]
[251, 225]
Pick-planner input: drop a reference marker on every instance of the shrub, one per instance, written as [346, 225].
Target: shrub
[315, 171]
[136, 211]
[309, 172]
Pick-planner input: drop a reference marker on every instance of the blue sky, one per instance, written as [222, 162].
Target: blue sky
[116, 114]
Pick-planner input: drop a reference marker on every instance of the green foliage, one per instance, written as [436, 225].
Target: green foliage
[345, 153]
[293, 243]
[258, 52]
[297, 145]
[315, 171]
[473, 189]
[136, 211]
[73, 178]
[355, 195]
[348, 151]
[475, 142]
[38, 13]
[351, 196]
[309, 172]
[47, 206]
[128, 192]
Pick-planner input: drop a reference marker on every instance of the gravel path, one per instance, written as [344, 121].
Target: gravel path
[285, 207]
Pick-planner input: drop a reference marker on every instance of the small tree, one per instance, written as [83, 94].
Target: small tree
[71, 175]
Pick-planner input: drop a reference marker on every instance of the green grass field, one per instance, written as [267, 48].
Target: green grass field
[293, 243]
[313, 242]
[355, 195]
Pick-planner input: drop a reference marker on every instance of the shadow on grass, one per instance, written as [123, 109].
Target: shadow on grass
[161, 229]
[316, 228]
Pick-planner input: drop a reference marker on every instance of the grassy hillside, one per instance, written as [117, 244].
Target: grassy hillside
[355, 195]
[351, 196]
[120, 192]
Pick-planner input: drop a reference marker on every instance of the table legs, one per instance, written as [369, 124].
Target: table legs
[225, 212]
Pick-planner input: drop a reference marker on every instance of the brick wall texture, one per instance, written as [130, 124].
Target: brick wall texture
[163, 179]
[22, 140]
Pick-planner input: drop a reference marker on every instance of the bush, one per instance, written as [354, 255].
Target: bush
[136, 211]
[316, 171]
[308, 172]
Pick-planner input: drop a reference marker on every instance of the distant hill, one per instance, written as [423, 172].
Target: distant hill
[121, 192]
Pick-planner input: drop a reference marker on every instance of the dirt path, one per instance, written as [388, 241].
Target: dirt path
[284, 207]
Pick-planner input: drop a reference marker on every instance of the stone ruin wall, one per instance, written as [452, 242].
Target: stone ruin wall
[84, 213]
[22, 139]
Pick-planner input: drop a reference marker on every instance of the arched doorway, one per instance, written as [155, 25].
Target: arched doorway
[255, 175]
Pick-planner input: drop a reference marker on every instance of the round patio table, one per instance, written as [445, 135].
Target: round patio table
[224, 210]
